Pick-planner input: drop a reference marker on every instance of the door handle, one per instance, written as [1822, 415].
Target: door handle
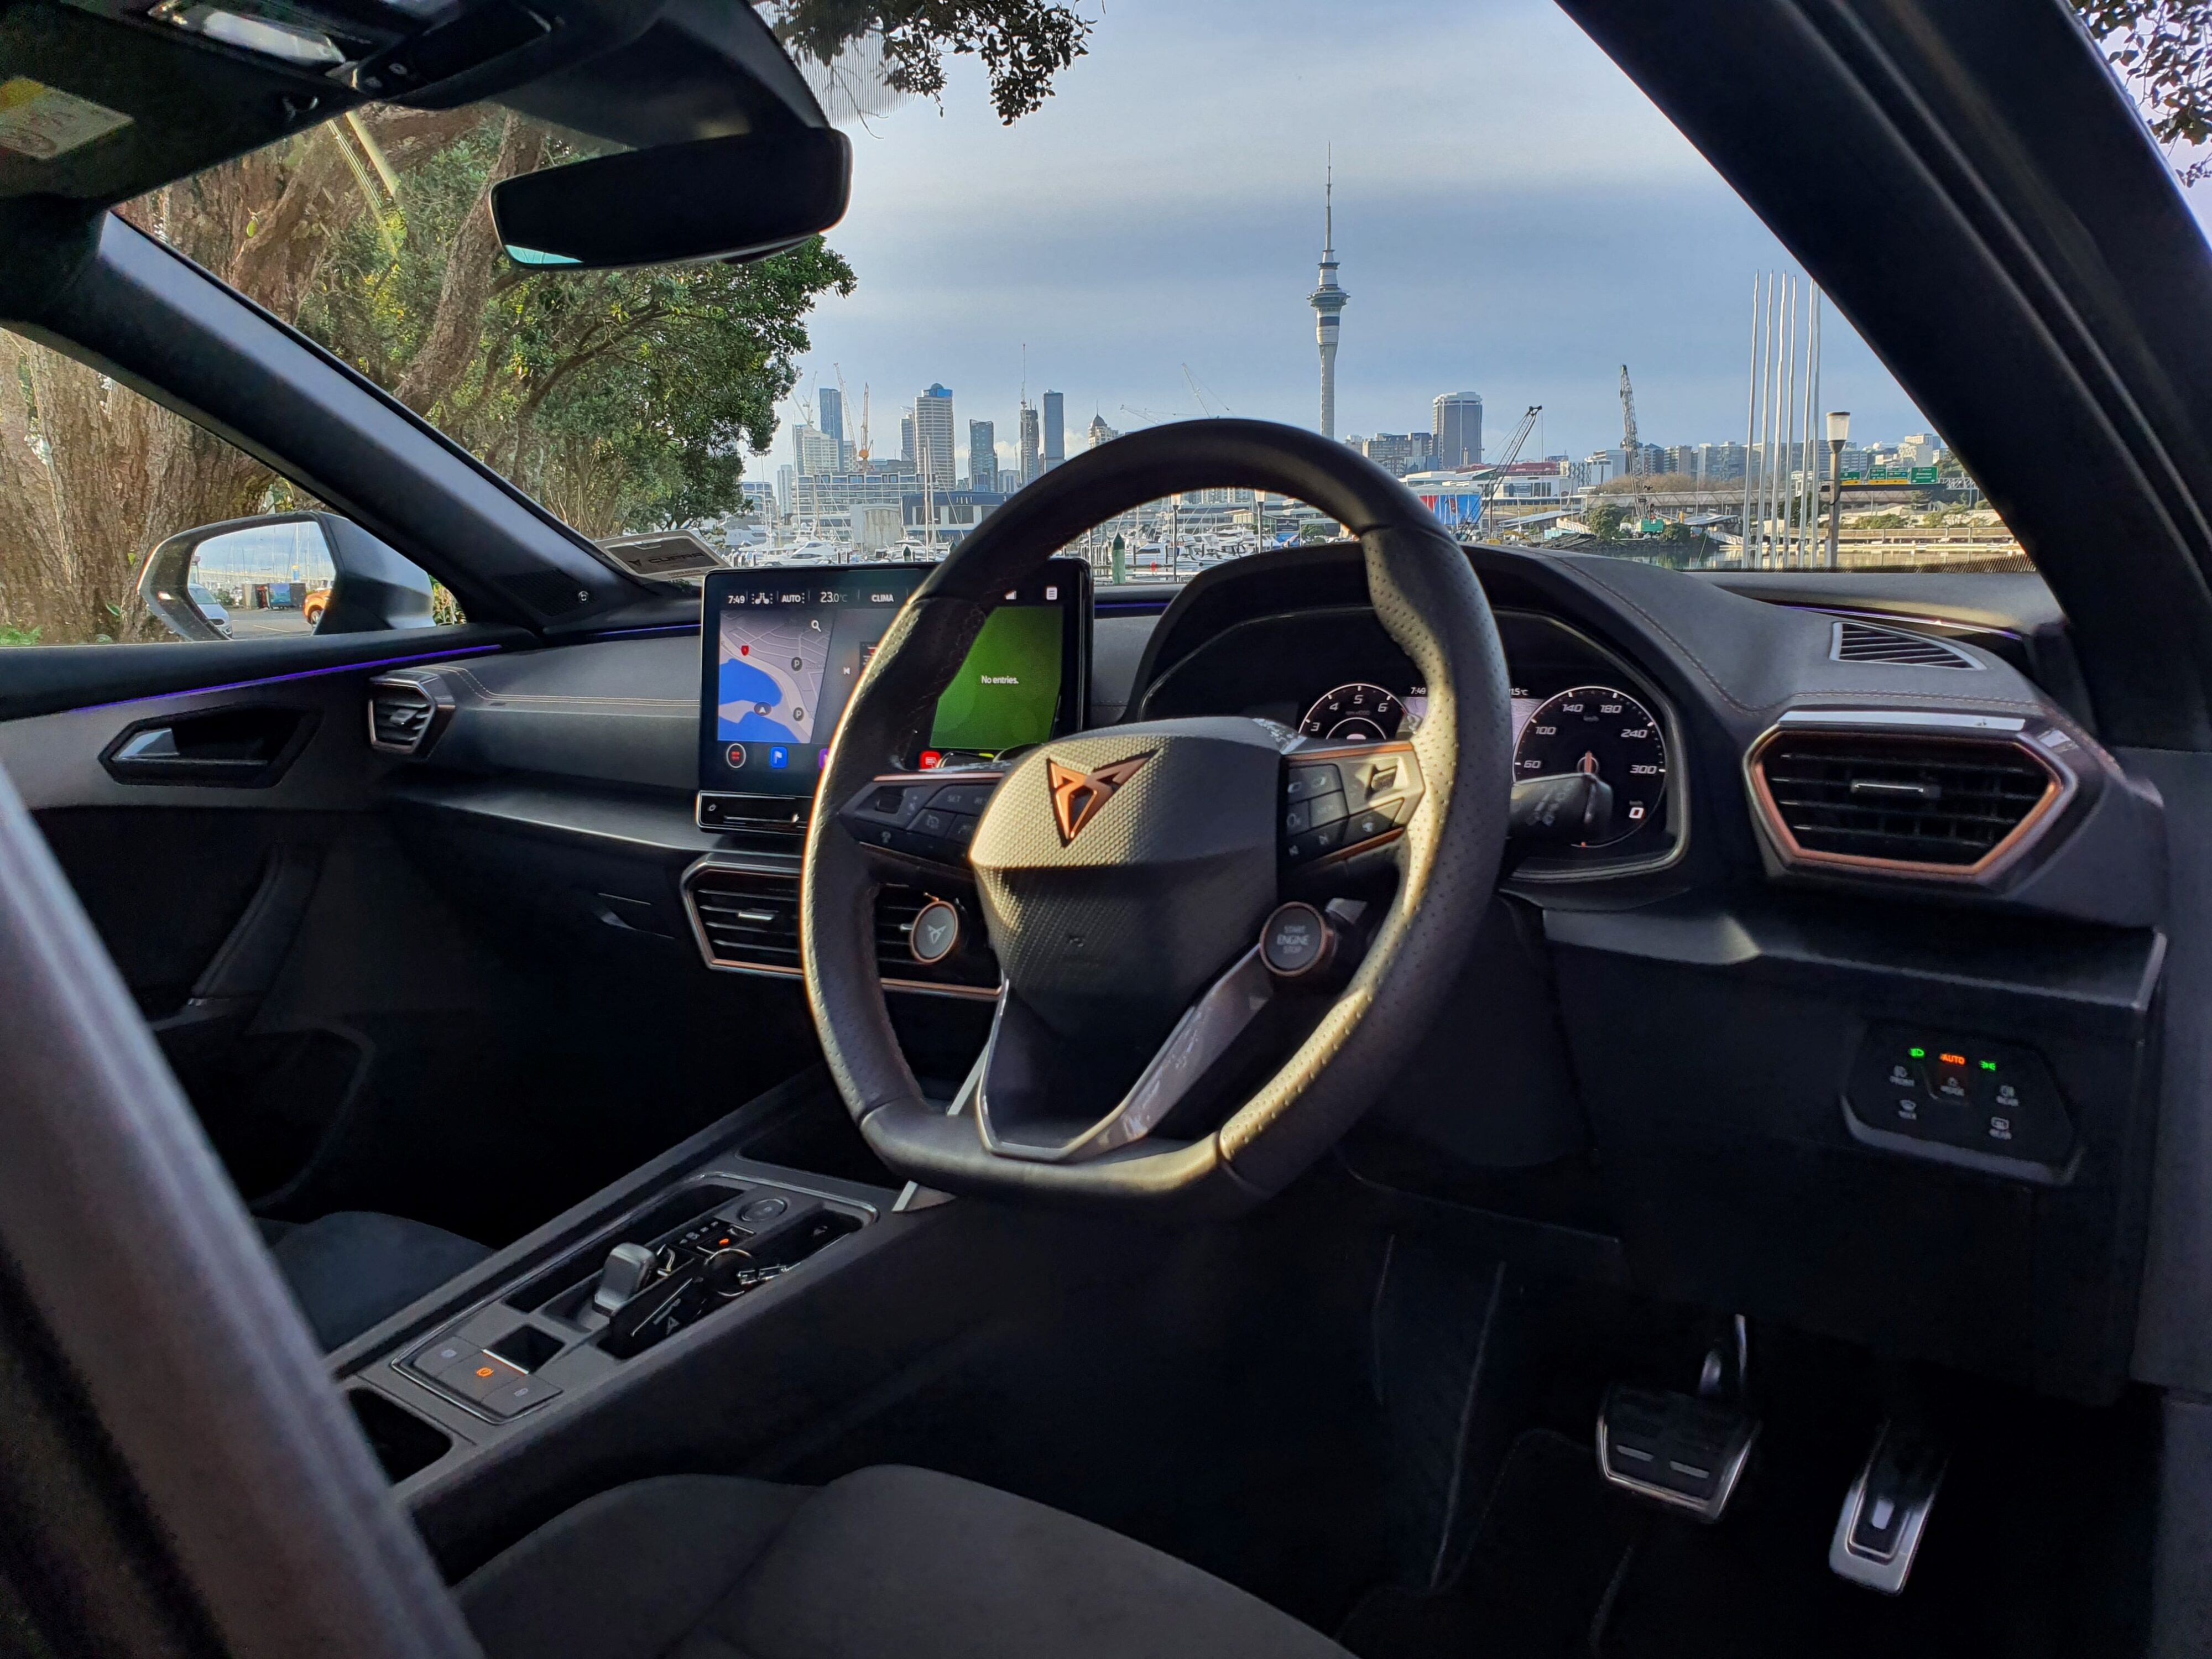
[245, 747]
[155, 750]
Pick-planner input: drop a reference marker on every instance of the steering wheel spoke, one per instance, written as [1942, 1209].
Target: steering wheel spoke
[1345, 813]
[905, 819]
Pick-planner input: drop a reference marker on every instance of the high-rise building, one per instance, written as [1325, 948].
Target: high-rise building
[1328, 302]
[1032, 457]
[814, 453]
[1100, 432]
[1056, 430]
[833, 412]
[934, 458]
[1456, 429]
[906, 439]
[982, 455]
[1399, 452]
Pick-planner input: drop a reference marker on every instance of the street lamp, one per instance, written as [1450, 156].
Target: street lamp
[1839, 431]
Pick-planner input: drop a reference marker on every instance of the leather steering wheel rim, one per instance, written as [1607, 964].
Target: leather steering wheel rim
[1424, 594]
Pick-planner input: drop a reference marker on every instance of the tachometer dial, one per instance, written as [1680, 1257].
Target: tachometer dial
[1359, 713]
[1597, 729]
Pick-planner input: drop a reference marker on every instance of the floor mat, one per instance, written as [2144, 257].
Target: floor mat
[1553, 1546]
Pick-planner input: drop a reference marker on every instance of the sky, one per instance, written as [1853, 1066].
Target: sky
[1512, 217]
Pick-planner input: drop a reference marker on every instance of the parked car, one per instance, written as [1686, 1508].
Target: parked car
[211, 608]
[316, 602]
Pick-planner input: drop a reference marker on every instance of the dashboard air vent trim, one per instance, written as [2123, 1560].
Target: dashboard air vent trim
[1923, 803]
[407, 713]
[1851, 640]
[744, 918]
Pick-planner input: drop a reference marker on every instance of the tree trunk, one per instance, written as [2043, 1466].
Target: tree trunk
[456, 333]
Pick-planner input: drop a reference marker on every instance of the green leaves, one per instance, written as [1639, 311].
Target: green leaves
[2163, 49]
[623, 400]
[1023, 43]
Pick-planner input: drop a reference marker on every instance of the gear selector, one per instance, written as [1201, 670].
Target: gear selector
[629, 1268]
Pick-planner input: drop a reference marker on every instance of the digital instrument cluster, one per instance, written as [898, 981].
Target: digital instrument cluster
[1584, 728]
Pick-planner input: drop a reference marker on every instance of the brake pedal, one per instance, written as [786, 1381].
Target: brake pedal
[1675, 1448]
[1878, 1534]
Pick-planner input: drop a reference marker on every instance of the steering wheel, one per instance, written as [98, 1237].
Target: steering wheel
[1129, 876]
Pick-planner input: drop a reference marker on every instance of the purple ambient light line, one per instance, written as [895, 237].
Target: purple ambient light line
[279, 679]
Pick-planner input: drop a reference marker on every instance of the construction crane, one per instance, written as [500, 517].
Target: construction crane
[1199, 392]
[1512, 454]
[845, 409]
[861, 449]
[1633, 451]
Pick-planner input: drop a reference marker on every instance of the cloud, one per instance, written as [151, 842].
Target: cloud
[1512, 215]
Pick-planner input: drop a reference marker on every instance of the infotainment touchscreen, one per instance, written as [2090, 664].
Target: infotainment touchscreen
[783, 648]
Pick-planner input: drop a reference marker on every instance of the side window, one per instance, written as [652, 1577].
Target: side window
[120, 522]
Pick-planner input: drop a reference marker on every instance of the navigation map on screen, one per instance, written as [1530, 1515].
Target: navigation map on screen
[772, 663]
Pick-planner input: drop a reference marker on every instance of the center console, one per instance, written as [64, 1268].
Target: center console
[678, 1269]
[714, 1239]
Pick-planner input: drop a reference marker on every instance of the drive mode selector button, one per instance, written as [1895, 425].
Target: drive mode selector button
[936, 933]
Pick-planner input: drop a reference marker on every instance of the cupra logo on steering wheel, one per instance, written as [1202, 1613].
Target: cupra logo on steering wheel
[1077, 796]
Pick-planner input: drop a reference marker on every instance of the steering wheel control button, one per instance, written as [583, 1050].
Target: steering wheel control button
[762, 1210]
[971, 798]
[1305, 782]
[1312, 813]
[1297, 941]
[1303, 849]
[935, 936]
[1366, 826]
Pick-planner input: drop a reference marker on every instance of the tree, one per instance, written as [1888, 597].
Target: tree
[2163, 48]
[1023, 43]
[622, 399]
[1605, 520]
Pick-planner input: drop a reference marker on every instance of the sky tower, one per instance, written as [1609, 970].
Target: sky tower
[1328, 300]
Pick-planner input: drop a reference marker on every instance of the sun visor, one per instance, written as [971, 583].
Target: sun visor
[101, 100]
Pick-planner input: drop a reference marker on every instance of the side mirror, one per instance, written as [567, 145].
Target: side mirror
[328, 571]
[737, 198]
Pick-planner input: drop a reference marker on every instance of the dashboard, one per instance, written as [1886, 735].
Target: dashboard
[1688, 1056]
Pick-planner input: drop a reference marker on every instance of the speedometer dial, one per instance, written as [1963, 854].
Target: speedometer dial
[1359, 713]
[1597, 729]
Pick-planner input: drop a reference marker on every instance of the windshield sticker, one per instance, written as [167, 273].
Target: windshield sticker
[44, 122]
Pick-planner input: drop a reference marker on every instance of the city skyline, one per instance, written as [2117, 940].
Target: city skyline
[1520, 233]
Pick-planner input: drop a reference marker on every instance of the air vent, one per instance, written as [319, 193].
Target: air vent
[749, 918]
[748, 921]
[1858, 642]
[1923, 805]
[403, 715]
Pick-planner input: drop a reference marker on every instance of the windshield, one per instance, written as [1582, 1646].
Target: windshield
[1462, 243]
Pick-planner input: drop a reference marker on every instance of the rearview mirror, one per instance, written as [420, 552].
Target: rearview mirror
[737, 198]
[282, 573]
